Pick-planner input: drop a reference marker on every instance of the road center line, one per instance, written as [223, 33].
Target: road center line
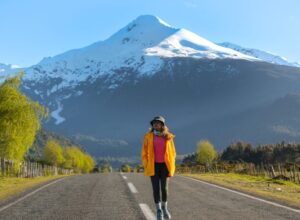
[245, 195]
[147, 211]
[29, 194]
[124, 177]
[132, 188]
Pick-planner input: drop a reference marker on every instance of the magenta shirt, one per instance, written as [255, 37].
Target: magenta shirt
[159, 144]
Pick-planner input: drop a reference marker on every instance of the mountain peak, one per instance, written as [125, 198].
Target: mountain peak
[150, 20]
[144, 28]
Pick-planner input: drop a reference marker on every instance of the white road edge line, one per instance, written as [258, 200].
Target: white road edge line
[132, 188]
[147, 211]
[246, 195]
[29, 194]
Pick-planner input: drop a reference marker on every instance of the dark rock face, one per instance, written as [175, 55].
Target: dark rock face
[222, 100]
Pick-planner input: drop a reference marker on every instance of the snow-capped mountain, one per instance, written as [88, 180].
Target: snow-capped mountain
[262, 55]
[112, 88]
[140, 45]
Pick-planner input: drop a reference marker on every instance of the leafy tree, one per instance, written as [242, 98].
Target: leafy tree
[53, 153]
[205, 152]
[72, 156]
[106, 168]
[268, 153]
[78, 160]
[88, 163]
[138, 168]
[190, 159]
[125, 168]
[20, 119]
[239, 151]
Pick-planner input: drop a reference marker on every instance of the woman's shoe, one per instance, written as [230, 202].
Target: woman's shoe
[166, 213]
[159, 214]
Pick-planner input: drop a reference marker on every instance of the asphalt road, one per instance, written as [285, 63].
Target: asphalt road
[129, 196]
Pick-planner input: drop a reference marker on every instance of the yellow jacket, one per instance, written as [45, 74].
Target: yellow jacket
[147, 154]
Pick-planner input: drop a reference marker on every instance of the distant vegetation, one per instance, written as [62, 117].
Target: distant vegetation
[277, 161]
[117, 162]
[131, 169]
[245, 152]
[269, 153]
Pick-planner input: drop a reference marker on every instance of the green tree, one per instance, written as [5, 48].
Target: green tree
[72, 156]
[88, 163]
[78, 160]
[20, 119]
[53, 153]
[106, 168]
[126, 168]
[205, 152]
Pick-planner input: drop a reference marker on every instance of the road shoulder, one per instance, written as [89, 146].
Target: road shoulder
[12, 188]
[278, 192]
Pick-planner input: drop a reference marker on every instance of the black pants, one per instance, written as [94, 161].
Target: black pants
[160, 182]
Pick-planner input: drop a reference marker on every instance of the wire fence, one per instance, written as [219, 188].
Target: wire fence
[288, 172]
[30, 169]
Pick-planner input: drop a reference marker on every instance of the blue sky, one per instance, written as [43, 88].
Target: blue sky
[33, 29]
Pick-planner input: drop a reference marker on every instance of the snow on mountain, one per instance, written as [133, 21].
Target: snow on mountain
[123, 49]
[184, 43]
[140, 45]
[262, 55]
[55, 114]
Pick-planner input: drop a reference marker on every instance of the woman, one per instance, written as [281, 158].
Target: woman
[158, 155]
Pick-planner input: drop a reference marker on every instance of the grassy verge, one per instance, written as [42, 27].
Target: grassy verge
[10, 186]
[276, 190]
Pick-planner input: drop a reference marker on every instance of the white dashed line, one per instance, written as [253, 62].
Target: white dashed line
[246, 195]
[132, 188]
[29, 194]
[145, 208]
[147, 211]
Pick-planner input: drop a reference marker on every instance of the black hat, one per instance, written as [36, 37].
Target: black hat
[158, 118]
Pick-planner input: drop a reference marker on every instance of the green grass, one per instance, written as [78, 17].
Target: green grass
[276, 190]
[10, 186]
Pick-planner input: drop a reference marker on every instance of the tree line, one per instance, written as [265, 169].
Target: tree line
[244, 152]
[269, 153]
[70, 157]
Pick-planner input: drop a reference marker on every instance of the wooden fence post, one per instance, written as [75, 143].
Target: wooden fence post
[2, 166]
